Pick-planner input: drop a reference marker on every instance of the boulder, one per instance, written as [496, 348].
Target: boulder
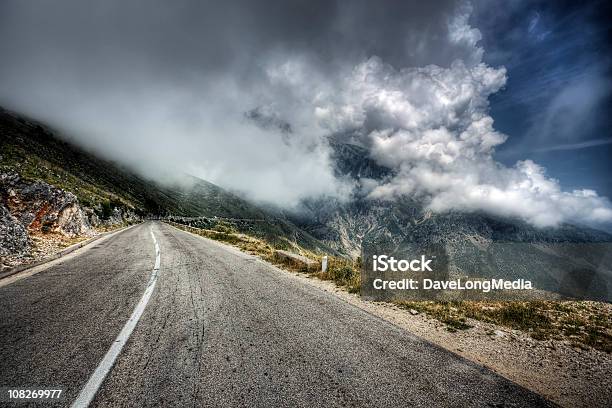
[42, 207]
[14, 240]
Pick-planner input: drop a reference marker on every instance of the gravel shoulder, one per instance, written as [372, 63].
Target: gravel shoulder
[567, 375]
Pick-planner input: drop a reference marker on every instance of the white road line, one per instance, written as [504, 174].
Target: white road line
[95, 381]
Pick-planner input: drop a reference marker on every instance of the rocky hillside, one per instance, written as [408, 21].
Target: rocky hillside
[49, 186]
[44, 208]
[569, 259]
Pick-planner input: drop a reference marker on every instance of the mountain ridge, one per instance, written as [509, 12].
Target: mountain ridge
[35, 152]
[570, 259]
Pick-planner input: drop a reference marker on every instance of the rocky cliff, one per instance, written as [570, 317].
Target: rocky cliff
[41, 207]
[36, 209]
[14, 239]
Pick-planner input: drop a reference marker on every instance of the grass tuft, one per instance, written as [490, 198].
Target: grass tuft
[581, 323]
[343, 272]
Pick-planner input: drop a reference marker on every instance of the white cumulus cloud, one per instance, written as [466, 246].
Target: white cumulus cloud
[432, 127]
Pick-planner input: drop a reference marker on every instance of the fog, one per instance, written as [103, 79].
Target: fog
[244, 94]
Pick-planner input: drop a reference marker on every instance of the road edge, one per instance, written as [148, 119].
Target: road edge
[307, 281]
[105, 366]
[58, 255]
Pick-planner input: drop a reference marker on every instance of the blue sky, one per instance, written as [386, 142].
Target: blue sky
[556, 104]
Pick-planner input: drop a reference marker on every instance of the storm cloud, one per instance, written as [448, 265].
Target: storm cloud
[245, 94]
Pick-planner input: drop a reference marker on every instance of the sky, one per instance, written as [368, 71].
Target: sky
[472, 106]
[557, 102]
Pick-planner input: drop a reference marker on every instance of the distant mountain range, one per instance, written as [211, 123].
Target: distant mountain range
[568, 259]
[572, 260]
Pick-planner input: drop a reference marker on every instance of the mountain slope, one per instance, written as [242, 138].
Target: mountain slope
[568, 259]
[35, 153]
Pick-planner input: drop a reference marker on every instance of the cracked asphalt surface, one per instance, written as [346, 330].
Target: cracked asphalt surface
[222, 329]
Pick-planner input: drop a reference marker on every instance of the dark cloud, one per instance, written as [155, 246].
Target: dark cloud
[113, 40]
[245, 93]
[267, 119]
[167, 84]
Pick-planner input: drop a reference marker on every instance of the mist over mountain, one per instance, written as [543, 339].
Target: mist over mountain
[247, 96]
[346, 224]
[568, 259]
[37, 166]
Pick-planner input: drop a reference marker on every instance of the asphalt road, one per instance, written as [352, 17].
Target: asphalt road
[221, 329]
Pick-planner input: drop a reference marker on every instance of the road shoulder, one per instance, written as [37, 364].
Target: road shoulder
[23, 271]
[566, 375]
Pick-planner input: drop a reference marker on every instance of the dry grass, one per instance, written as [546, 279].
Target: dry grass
[344, 272]
[230, 236]
[584, 324]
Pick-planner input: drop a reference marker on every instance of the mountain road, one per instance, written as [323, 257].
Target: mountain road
[155, 316]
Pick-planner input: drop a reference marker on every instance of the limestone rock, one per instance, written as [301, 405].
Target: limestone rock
[14, 240]
[42, 207]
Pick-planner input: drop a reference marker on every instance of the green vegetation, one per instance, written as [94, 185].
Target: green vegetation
[32, 167]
